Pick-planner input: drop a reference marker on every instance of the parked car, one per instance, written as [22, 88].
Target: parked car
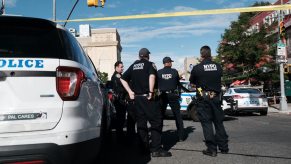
[53, 106]
[185, 99]
[245, 99]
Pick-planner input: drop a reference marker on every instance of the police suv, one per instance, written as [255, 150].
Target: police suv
[185, 100]
[52, 107]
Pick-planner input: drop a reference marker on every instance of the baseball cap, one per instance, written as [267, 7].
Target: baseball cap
[167, 60]
[144, 52]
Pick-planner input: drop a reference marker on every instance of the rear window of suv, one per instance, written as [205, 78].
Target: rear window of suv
[29, 41]
[247, 90]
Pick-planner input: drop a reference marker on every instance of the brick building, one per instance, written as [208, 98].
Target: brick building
[269, 17]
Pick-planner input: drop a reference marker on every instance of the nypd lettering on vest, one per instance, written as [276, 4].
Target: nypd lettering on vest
[138, 66]
[210, 67]
[21, 63]
[166, 76]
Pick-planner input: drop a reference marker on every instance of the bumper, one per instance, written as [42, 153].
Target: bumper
[84, 152]
[252, 109]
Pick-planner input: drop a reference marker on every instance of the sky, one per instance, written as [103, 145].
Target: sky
[176, 37]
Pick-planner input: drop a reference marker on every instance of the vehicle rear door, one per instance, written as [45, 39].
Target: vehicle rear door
[29, 55]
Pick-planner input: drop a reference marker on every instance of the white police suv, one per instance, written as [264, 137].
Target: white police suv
[185, 99]
[52, 107]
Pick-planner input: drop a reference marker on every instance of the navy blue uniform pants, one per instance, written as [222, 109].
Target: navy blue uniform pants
[120, 117]
[173, 100]
[211, 114]
[148, 111]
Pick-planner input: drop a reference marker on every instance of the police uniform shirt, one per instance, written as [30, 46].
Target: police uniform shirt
[138, 75]
[207, 75]
[117, 86]
[168, 79]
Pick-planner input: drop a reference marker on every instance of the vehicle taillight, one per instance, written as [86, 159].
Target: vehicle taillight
[29, 162]
[237, 97]
[110, 96]
[263, 96]
[69, 81]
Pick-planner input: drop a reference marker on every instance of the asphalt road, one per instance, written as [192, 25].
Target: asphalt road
[253, 139]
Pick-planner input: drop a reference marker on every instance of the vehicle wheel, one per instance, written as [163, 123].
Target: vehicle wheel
[264, 113]
[193, 114]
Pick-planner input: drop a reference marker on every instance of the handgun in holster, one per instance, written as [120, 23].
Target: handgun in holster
[205, 94]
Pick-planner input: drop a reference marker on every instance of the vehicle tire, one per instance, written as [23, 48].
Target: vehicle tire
[263, 113]
[193, 114]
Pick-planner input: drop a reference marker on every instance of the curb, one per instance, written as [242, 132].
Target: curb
[288, 112]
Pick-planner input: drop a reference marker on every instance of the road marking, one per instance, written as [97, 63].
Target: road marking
[188, 13]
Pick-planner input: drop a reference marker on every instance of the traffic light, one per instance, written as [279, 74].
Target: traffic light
[282, 29]
[92, 3]
[102, 3]
[287, 69]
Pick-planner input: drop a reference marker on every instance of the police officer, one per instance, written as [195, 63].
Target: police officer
[142, 76]
[207, 78]
[168, 83]
[119, 99]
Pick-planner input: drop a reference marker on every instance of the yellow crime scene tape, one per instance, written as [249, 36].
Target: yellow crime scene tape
[187, 13]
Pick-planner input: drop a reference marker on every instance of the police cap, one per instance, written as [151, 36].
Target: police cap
[167, 60]
[144, 52]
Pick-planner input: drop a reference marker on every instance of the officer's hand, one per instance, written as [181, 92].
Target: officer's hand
[150, 96]
[131, 95]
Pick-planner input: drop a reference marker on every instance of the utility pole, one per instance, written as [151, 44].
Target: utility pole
[282, 56]
[54, 10]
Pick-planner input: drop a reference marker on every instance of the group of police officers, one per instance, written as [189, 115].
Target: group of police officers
[145, 93]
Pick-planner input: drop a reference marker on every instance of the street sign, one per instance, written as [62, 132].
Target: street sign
[281, 49]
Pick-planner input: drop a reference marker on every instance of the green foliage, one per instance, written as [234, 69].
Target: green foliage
[103, 76]
[242, 51]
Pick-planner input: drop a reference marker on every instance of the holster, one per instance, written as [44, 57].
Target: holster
[206, 94]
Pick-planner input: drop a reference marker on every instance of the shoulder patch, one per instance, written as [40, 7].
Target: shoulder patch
[155, 67]
[118, 75]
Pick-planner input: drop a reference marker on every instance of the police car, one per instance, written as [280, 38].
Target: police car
[185, 99]
[53, 108]
[244, 99]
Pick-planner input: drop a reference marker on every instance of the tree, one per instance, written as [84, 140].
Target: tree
[103, 76]
[244, 53]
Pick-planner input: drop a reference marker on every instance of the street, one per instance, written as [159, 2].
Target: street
[253, 139]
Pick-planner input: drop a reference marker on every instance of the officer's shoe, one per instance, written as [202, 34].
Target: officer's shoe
[181, 138]
[224, 151]
[161, 153]
[209, 153]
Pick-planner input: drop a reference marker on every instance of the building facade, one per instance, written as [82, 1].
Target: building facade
[189, 62]
[267, 18]
[103, 47]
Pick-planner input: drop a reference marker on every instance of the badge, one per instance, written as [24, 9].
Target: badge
[118, 75]
[188, 100]
[154, 66]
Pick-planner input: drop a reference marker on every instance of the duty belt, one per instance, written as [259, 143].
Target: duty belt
[141, 95]
[209, 94]
[170, 91]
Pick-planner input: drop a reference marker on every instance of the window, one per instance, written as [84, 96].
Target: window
[29, 42]
[247, 90]
[74, 50]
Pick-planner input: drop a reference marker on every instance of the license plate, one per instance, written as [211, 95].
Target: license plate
[251, 102]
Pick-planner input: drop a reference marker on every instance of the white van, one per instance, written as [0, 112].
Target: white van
[52, 106]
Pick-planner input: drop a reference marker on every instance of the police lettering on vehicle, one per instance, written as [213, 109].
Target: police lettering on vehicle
[167, 76]
[138, 66]
[210, 67]
[21, 63]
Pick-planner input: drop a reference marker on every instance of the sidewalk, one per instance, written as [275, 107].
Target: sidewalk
[275, 108]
